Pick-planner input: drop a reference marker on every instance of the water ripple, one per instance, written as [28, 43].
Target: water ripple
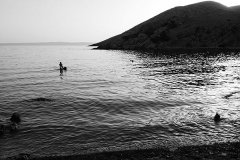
[115, 99]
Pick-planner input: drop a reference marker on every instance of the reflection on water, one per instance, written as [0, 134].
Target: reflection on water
[111, 100]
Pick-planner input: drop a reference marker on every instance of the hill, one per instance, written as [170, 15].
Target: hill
[199, 25]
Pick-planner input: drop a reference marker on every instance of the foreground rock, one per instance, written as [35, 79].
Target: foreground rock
[200, 25]
[11, 125]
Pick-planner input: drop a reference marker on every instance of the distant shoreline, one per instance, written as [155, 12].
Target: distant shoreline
[49, 43]
[181, 49]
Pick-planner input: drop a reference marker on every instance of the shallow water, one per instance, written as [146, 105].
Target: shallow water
[113, 100]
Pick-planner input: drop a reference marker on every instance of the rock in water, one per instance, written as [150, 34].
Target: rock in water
[15, 118]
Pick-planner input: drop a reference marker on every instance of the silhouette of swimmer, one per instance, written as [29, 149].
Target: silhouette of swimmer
[217, 117]
[61, 66]
[11, 126]
[61, 72]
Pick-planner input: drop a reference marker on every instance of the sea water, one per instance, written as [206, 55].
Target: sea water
[115, 100]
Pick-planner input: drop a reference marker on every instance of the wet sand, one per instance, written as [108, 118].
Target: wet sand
[215, 151]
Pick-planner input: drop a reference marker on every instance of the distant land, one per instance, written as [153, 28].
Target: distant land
[201, 25]
[49, 43]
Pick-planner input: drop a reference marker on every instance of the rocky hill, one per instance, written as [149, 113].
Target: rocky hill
[200, 25]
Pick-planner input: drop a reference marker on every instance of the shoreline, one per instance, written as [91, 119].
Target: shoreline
[174, 50]
[226, 150]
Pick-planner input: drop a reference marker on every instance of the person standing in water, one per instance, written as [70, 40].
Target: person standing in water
[61, 66]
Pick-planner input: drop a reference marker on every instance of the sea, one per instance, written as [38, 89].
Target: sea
[111, 100]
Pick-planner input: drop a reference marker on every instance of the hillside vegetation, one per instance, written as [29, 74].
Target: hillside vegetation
[200, 25]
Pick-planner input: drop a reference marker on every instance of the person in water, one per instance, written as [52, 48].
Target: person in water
[61, 66]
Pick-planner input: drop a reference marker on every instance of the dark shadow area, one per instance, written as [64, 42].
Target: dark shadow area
[41, 99]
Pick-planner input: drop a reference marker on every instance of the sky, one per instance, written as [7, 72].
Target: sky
[30, 21]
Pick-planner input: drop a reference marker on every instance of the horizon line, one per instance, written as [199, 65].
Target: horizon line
[47, 43]
[43, 42]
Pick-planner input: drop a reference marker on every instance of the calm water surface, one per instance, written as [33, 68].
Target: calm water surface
[113, 100]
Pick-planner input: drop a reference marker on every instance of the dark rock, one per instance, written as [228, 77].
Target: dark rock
[15, 118]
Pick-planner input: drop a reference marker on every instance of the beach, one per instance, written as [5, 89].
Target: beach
[215, 151]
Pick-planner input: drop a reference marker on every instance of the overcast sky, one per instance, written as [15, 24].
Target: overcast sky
[78, 20]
